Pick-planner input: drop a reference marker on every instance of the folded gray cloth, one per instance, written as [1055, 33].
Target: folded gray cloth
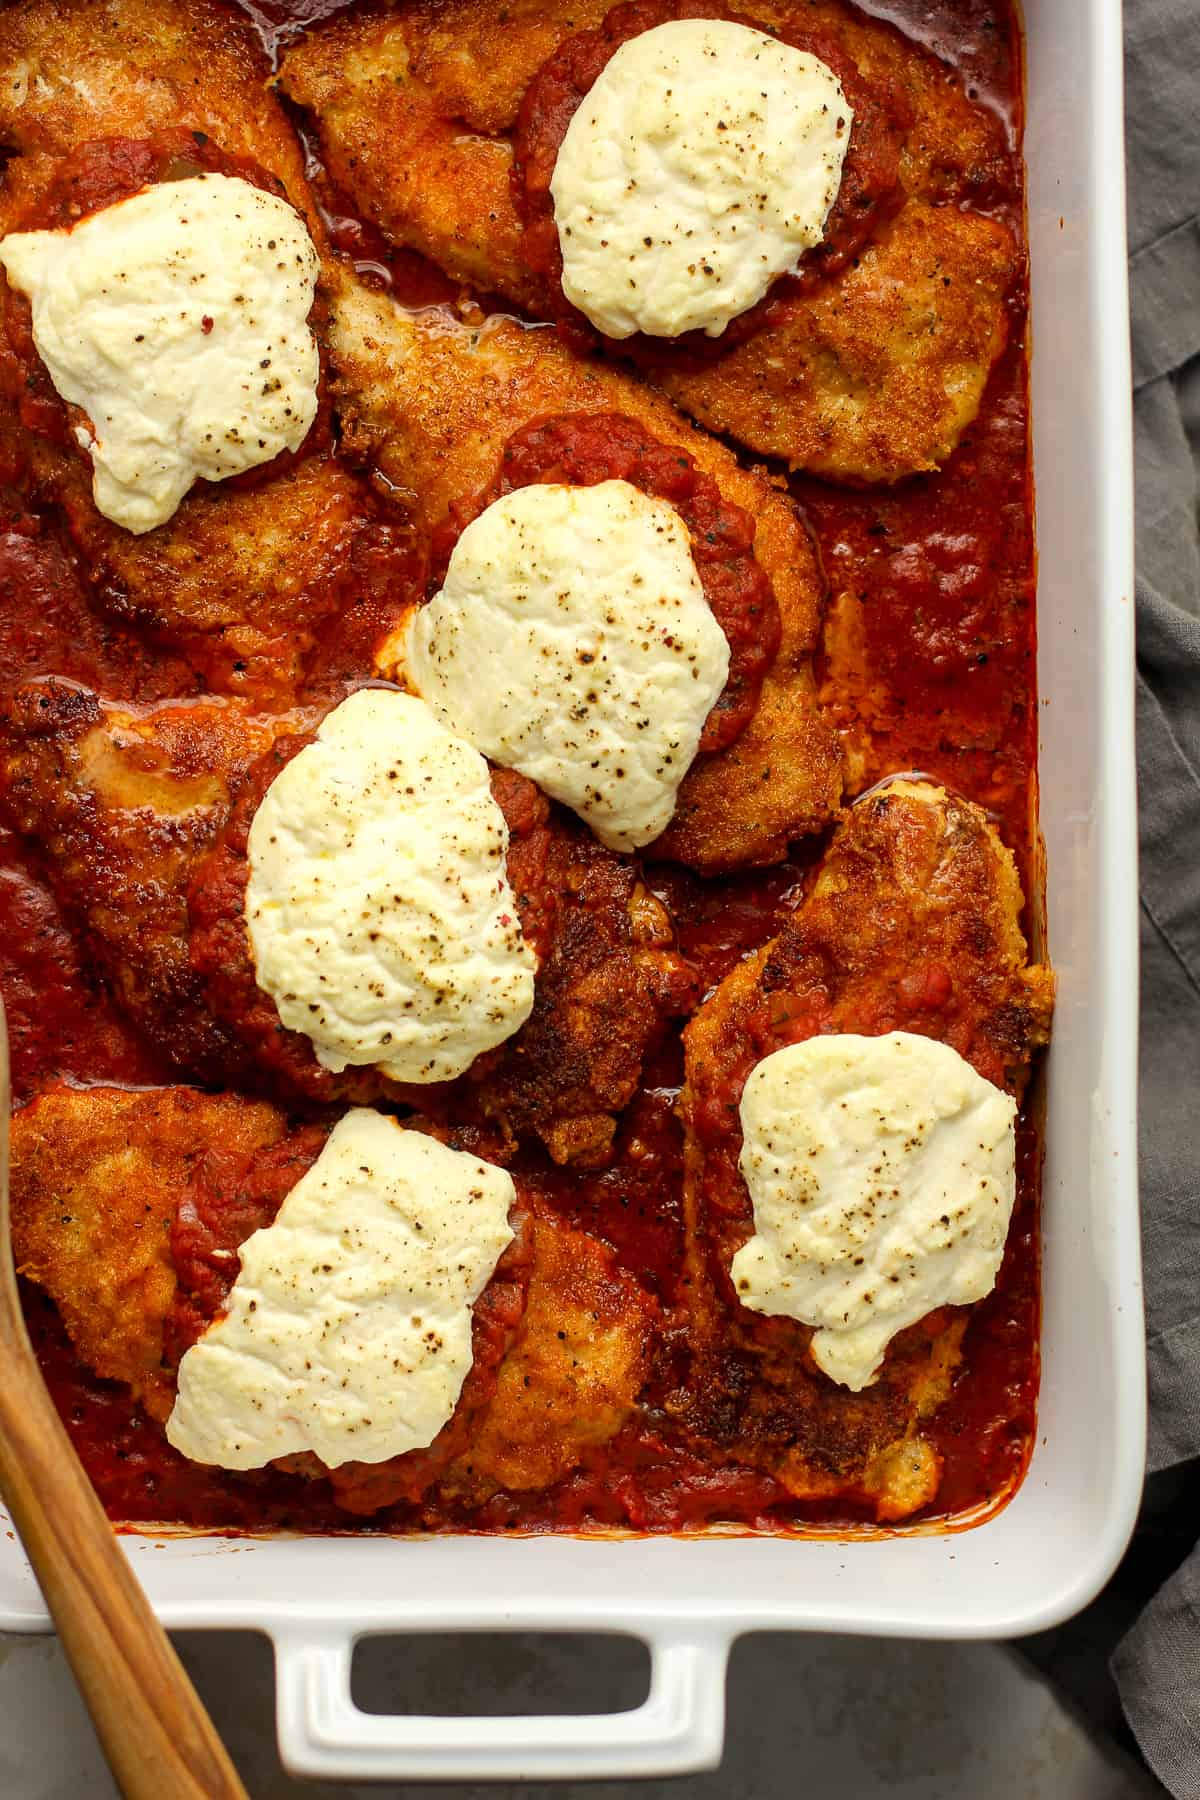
[1157, 1668]
[1157, 1664]
[1168, 718]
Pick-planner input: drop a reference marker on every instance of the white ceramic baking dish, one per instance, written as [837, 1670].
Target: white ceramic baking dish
[1049, 1551]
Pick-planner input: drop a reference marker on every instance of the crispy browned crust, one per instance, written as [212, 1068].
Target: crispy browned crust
[391, 90]
[571, 1379]
[120, 803]
[123, 803]
[80, 69]
[878, 373]
[431, 400]
[913, 923]
[609, 979]
[414, 105]
[96, 1178]
[240, 580]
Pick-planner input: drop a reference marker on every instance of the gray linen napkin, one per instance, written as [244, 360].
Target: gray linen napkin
[1157, 1663]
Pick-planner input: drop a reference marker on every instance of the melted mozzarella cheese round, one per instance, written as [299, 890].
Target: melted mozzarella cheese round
[572, 641]
[378, 905]
[348, 1329]
[176, 321]
[882, 1171]
[701, 165]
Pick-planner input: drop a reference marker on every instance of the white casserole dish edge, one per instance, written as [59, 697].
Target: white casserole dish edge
[1052, 1548]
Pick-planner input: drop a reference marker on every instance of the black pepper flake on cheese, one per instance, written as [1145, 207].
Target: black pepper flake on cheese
[155, 404]
[792, 143]
[420, 974]
[581, 543]
[866, 1228]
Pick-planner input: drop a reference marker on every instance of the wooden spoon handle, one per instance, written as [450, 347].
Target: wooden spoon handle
[157, 1736]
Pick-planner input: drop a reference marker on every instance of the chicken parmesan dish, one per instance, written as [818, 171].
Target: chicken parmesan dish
[518, 842]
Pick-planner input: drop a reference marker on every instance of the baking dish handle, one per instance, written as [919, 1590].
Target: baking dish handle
[679, 1727]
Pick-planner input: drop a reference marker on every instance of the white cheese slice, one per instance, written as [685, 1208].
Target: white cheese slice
[378, 904]
[348, 1329]
[882, 1171]
[701, 165]
[572, 641]
[176, 320]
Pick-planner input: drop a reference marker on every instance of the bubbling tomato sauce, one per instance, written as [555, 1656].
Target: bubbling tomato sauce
[928, 666]
[930, 650]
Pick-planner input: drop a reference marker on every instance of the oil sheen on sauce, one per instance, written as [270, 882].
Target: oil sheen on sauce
[944, 684]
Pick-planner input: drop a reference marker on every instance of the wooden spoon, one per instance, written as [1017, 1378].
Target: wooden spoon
[159, 1741]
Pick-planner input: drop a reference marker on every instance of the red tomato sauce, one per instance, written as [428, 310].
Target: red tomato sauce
[229, 1196]
[943, 681]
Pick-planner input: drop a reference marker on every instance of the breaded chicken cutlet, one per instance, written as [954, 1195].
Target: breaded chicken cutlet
[107, 1187]
[431, 402]
[866, 374]
[912, 924]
